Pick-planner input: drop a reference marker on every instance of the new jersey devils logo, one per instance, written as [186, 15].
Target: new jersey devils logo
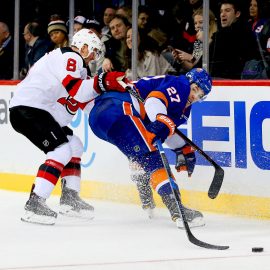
[70, 104]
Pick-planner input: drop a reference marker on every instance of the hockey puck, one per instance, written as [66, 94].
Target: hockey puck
[257, 249]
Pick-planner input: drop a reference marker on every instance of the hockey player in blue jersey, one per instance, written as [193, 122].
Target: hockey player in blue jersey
[132, 126]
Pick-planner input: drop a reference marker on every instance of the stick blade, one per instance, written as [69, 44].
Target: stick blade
[202, 244]
[216, 182]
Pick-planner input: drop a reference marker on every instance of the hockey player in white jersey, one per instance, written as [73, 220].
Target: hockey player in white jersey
[42, 107]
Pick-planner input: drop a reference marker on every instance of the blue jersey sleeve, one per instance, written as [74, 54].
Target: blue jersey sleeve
[171, 90]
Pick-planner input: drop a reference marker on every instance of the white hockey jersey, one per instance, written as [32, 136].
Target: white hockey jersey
[57, 83]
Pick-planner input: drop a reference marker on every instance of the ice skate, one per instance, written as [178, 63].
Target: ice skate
[149, 209]
[73, 206]
[194, 217]
[146, 196]
[37, 211]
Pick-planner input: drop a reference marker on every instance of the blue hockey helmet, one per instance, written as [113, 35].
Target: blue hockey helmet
[201, 78]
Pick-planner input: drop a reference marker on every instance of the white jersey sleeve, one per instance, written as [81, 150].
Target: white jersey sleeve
[73, 76]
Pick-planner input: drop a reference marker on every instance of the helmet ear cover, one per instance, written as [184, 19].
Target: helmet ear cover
[89, 38]
[201, 78]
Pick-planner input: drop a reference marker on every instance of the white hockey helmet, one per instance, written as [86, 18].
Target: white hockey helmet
[89, 38]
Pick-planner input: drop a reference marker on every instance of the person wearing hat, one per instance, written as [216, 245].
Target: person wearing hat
[95, 26]
[58, 33]
[78, 23]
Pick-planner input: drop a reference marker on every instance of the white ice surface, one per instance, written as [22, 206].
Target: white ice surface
[121, 237]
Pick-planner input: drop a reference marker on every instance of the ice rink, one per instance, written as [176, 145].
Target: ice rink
[122, 237]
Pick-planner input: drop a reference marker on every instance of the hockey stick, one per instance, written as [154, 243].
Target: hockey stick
[177, 197]
[219, 172]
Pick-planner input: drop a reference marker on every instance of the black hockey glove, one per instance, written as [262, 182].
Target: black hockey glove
[185, 159]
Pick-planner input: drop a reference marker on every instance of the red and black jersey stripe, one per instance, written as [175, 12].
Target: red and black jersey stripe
[72, 84]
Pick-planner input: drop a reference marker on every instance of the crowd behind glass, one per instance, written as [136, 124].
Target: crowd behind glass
[169, 41]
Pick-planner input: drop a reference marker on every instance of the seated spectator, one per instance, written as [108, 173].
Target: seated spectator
[188, 61]
[150, 61]
[150, 22]
[181, 32]
[78, 23]
[58, 33]
[265, 39]
[108, 15]
[258, 16]
[35, 46]
[95, 26]
[195, 5]
[116, 45]
[233, 44]
[126, 12]
[6, 53]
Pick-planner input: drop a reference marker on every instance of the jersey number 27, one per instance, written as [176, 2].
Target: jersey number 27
[172, 92]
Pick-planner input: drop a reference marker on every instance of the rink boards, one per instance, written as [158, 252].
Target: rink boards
[232, 126]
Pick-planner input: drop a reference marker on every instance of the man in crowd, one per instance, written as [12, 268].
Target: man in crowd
[6, 53]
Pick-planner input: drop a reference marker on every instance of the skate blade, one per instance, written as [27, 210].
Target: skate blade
[195, 223]
[31, 217]
[149, 212]
[67, 210]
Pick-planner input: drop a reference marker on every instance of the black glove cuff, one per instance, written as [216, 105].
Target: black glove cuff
[101, 81]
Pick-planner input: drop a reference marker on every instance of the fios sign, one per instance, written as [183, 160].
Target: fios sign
[234, 128]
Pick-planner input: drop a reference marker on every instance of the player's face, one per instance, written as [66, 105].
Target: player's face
[196, 93]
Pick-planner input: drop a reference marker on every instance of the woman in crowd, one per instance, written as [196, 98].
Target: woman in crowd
[150, 61]
[189, 61]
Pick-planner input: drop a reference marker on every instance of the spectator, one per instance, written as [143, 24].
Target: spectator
[79, 22]
[189, 61]
[150, 23]
[35, 46]
[95, 26]
[265, 39]
[143, 18]
[116, 45]
[126, 12]
[6, 53]
[58, 33]
[108, 15]
[195, 5]
[182, 32]
[259, 13]
[233, 44]
[150, 61]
